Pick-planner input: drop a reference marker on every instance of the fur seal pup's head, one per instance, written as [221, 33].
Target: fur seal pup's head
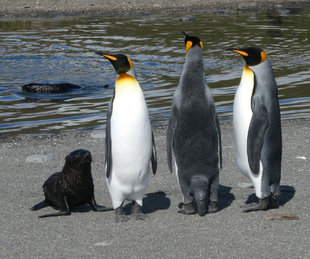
[79, 159]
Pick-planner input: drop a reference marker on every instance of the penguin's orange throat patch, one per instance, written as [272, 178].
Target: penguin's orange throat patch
[126, 82]
[125, 76]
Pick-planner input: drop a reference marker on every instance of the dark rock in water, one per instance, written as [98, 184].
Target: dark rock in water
[49, 88]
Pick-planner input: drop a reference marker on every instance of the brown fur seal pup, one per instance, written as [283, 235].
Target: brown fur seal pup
[49, 88]
[71, 187]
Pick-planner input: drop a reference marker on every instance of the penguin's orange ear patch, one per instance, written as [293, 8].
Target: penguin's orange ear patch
[200, 44]
[110, 57]
[189, 44]
[243, 53]
[130, 63]
[263, 55]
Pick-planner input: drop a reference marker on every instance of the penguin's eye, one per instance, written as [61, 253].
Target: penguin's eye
[188, 45]
[201, 45]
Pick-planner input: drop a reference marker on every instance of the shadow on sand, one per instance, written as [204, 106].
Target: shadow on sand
[151, 203]
[225, 197]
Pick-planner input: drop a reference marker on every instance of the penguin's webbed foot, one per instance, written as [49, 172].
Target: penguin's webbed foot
[274, 202]
[212, 207]
[187, 209]
[136, 212]
[262, 204]
[120, 215]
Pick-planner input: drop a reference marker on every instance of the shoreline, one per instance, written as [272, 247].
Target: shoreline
[100, 133]
[22, 9]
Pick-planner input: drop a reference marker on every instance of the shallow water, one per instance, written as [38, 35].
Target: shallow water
[62, 50]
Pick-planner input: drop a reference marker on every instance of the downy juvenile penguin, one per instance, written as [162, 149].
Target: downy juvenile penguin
[257, 127]
[130, 143]
[194, 135]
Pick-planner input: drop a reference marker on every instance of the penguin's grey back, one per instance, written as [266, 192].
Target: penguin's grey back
[195, 138]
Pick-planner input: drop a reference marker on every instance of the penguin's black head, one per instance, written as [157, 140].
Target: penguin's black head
[191, 41]
[120, 62]
[252, 55]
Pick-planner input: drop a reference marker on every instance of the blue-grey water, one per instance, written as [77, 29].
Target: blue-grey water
[63, 50]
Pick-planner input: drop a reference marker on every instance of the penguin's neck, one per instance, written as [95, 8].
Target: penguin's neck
[194, 59]
[126, 82]
[193, 75]
[127, 89]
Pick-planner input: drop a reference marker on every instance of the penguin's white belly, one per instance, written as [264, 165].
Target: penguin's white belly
[131, 138]
[242, 116]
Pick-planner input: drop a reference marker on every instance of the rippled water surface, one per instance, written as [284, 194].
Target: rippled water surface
[62, 50]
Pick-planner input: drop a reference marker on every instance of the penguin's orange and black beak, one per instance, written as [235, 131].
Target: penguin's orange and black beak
[120, 62]
[239, 51]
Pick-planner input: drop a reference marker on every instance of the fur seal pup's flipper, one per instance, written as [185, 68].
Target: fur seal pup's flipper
[40, 205]
[60, 213]
[96, 207]
[65, 211]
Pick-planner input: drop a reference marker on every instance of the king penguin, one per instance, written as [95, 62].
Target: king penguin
[194, 136]
[130, 143]
[257, 127]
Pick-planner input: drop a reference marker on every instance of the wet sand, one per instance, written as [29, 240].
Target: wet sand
[47, 8]
[165, 234]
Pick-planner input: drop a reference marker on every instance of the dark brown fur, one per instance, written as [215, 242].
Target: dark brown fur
[71, 187]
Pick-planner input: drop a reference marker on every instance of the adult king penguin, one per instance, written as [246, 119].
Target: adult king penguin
[129, 141]
[194, 135]
[257, 127]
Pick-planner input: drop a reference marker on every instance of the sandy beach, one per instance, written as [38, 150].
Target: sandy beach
[165, 234]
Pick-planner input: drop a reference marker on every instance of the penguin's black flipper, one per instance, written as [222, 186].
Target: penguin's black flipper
[258, 125]
[108, 145]
[170, 133]
[154, 156]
